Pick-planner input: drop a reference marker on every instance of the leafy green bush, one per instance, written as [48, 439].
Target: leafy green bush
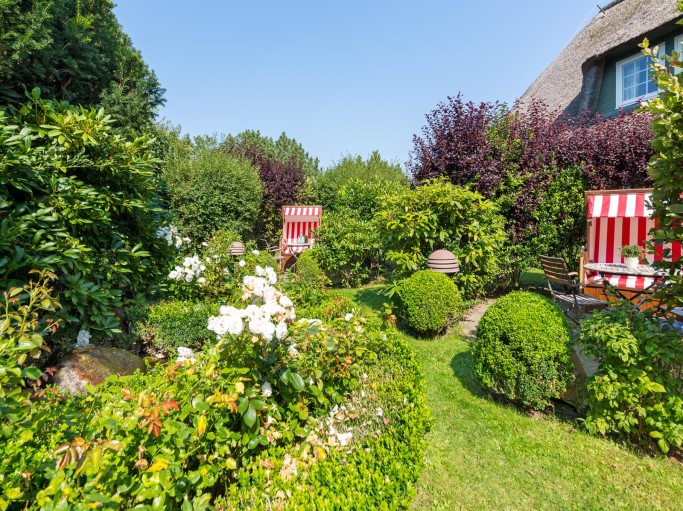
[305, 283]
[522, 349]
[330, 307]
[27, 314]
[349, 249]
[253, 414]
[556, 227]
[428, 301]
[170, 325]
[82, 202]
[667, 192]
[637, 392]
[211, 190]
[438, 215]
[374, 171]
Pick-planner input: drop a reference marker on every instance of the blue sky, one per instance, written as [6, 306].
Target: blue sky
[342, 77]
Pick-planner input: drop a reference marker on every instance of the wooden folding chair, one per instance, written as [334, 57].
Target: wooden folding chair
[565, 288]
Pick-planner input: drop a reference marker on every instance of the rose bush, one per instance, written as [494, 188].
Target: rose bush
[297, 398]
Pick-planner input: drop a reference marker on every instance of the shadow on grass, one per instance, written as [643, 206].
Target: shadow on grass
[462, 365]
[372, 297]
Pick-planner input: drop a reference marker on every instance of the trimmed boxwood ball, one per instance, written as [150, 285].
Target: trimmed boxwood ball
[428, 301]
[522, 349]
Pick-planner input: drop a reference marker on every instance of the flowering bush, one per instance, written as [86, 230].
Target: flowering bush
[208, 428]
[215, 274]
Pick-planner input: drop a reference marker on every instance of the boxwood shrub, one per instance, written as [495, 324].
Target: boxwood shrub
[522, 349]
[172, 324]
[428, 301]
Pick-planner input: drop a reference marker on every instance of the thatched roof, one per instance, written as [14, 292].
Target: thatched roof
[572, 82]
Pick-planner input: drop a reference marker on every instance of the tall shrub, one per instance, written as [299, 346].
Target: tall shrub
[76, 51]
[82, 202]
[351, 248]
[438, 215]
[513, 156]
[211, 190]
[283, 168]
[373, 170]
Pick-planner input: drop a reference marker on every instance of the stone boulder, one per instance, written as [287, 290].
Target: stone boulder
[92, 365]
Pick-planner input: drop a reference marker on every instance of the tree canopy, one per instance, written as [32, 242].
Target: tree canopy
[76, 51]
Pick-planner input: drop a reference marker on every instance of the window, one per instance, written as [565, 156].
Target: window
[633, 79]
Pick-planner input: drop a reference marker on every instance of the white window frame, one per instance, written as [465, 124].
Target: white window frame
[678, 41]
[620, 78]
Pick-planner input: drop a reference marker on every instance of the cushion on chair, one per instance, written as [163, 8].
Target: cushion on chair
[622, 281]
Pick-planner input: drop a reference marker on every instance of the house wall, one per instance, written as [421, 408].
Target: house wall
[607, 98]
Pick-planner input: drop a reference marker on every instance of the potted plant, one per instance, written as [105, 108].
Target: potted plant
[631, 255]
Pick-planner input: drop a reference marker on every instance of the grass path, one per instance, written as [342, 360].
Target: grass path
[485, 455]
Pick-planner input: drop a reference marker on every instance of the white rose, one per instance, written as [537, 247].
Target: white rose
[242, 263]
[266, 389]
[255, 252]
[260, 271]
[348, 317]
[286, 302]
[268, 331]
[201, 280]
[272, 276]
[281, 330]
[293, 352]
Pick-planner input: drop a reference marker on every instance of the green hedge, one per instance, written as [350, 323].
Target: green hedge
[523, 349]
[428, 301]
[170, 325]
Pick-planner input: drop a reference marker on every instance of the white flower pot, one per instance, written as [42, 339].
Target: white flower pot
[631, 262]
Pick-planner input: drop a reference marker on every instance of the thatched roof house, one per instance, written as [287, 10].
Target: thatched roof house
[602, 69]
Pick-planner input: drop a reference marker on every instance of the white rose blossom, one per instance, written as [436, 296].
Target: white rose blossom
[266, 389]
[185, 354]
[242, 263]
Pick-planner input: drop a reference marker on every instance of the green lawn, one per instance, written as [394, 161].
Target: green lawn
[485, 455]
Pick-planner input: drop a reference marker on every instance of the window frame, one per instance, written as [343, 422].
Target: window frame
[678, 41]
[620, 77]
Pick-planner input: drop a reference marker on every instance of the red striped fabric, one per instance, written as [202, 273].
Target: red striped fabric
[293, 228]
[608, 234]
[619, 205]
[624, 281]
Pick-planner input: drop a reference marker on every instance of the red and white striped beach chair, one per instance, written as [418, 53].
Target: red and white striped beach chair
[298, 222]
[617, 218]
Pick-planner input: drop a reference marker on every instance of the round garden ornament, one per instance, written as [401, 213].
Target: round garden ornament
[443, 261]
[236, 248]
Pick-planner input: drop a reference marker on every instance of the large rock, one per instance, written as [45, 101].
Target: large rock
[92, 365]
